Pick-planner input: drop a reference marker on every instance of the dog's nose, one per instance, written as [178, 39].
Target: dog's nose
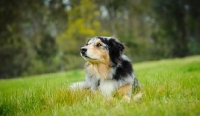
[83, 50]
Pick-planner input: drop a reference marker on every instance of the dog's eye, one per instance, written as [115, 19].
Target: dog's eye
[98, 45]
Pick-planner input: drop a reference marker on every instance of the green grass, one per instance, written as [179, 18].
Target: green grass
[169, 87]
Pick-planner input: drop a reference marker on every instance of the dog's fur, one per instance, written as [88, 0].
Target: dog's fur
[107, 68]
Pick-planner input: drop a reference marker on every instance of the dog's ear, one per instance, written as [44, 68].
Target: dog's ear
[115, 50]
[87, 41]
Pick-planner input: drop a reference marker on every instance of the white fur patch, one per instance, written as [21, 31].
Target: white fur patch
[107, 87]
[78, 85]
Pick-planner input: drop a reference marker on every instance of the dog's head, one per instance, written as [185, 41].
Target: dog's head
[102, 50]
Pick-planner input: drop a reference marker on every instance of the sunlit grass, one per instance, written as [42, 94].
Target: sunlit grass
[169, 87]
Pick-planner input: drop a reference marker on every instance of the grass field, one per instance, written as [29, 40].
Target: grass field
[169, 87]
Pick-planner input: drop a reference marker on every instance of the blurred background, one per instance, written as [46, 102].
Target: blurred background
[44, 36]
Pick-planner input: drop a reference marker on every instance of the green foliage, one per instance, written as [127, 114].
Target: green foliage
[80, 27]
[27, 45]
[42, 36]
[176, 20]
[82, 24]
[15, 58]
[193, 47]
[169, 87]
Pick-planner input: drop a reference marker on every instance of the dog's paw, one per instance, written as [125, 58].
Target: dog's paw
[137, 96]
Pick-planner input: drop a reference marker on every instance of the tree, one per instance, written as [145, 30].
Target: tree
[14, 48]
[27, 36]
[175, 20]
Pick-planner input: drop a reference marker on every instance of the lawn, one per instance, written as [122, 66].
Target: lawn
[170, 87]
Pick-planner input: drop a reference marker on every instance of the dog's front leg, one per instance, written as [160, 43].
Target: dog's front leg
[107, 87]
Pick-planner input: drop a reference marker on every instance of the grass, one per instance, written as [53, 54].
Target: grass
[169, 87]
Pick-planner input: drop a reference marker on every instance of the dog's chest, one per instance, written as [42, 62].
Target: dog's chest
[99, 71]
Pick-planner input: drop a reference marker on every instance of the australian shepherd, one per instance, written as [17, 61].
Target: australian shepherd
[107, 68]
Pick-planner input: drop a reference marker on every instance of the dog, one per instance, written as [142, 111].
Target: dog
[107, 68]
